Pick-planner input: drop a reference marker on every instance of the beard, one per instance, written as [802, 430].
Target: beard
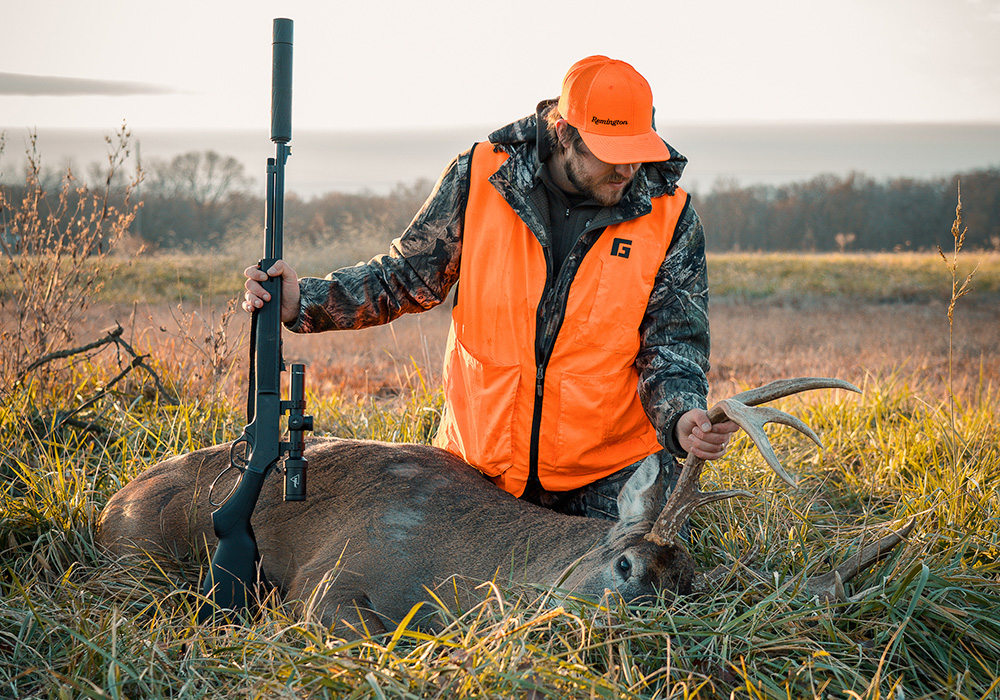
[602, 189]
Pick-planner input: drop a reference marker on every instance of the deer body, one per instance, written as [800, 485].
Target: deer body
[383, 522]
[386, 523]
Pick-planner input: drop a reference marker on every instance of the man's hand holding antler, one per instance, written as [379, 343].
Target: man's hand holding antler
[698, 436]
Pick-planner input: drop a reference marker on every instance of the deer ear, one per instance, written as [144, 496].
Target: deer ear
[641, 499]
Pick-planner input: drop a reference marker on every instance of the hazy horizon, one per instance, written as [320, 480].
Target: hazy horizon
[352, 161]
[366, 65]
[769, 92]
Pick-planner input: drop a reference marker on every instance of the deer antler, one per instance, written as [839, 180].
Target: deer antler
[687, 496]
[830, 586]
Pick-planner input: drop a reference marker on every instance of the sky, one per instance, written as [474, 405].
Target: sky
[388, 64]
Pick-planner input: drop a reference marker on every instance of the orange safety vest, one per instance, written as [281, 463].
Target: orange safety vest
[591, 422]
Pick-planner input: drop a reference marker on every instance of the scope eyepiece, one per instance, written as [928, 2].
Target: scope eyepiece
[300, 423]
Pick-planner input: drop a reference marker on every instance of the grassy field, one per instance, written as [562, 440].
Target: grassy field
[923, 624]
[880, 277]
[849, 315]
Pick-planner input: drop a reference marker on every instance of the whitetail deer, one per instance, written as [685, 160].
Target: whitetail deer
[386, 523]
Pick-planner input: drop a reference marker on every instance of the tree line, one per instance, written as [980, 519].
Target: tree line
[202, 201]
[195, 200]
[854, 212]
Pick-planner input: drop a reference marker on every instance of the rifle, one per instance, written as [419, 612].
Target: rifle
[235, 578]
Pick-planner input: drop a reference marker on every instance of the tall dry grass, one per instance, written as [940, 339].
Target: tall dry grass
[57, 253]
[73, 623]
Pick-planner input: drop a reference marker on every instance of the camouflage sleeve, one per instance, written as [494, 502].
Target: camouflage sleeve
[674, 336]
[420, 268]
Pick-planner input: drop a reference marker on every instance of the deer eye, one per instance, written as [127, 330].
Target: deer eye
[624, 566]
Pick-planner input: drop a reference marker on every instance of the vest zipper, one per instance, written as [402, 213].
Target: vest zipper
[549, 316]
[534, 484]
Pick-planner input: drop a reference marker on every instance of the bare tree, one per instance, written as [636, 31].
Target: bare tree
[195, 198]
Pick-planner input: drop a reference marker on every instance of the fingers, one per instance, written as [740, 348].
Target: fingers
[708, 445]
[255, 273]
[710, 438]
[697, 435]
[256, 295]
[714, 443]
[726, 427]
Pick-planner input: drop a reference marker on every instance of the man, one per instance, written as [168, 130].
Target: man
[583, 277]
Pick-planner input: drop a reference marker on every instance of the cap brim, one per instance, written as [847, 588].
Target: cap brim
[618, 150]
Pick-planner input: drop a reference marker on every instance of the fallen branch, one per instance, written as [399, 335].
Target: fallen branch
[112, 336]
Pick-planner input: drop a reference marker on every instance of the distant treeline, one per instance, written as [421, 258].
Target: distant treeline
[855, 212]
[826, 213]
[205, 201]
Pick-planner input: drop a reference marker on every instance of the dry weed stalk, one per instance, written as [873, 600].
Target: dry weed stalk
[957, 292]
[57, 254]
[216, 350]
[112, 337]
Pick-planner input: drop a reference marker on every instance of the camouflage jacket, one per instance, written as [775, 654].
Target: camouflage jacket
[424, 263]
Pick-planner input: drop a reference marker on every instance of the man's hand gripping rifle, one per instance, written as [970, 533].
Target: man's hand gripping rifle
[235, 574]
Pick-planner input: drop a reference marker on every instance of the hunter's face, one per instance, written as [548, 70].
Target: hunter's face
[604, 182]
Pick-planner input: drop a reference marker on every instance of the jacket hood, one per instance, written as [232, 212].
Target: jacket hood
[661, 176]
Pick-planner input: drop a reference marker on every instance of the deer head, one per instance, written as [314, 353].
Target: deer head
[744, 409]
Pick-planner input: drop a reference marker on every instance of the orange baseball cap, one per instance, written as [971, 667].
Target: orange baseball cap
[611, 105]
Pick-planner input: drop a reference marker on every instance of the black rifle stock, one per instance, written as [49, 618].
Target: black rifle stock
[235, 573]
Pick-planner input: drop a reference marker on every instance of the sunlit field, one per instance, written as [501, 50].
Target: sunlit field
[773, 315]
[920, 441]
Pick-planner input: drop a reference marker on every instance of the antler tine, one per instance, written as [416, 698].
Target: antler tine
[786, 387]
[687, 495]
[828, 587]
[753, 419]
[685, 499]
